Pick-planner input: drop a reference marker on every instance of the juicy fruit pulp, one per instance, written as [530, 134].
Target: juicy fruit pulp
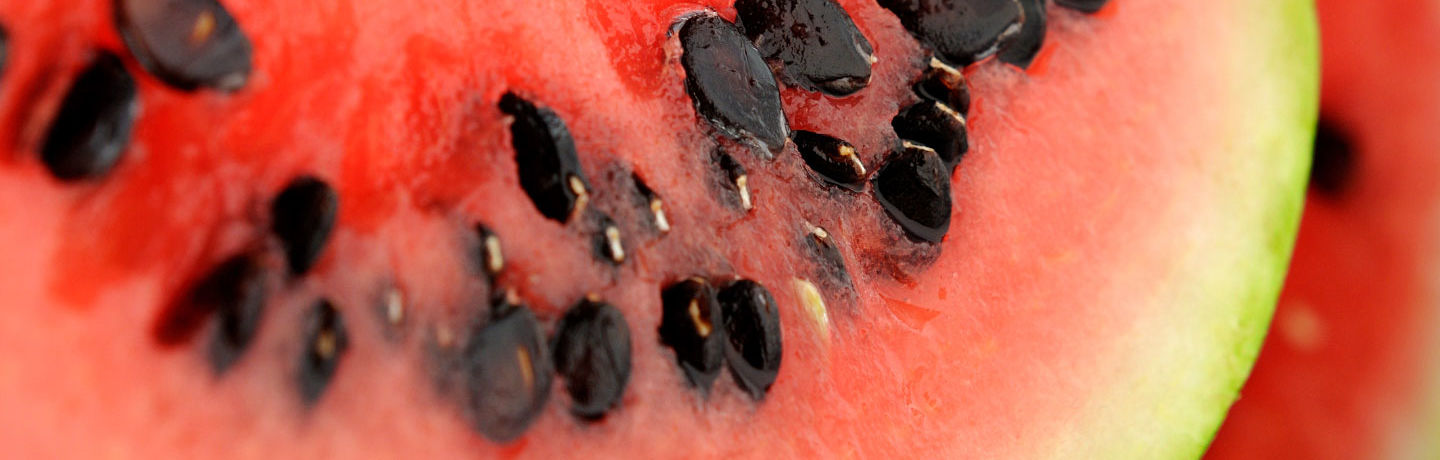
[1349, 368]
[1054, 317]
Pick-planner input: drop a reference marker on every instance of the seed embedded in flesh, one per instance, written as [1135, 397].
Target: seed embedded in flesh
[1021, 49]
[186, 43]
[237, 287]
[609, 246]
[752, 331]
[591, 349]
[489, 253]
[303, 217]
[389, 305]
[1334, 160]
[730, 84]
[945, 85]
[829, 263]
[1084, 6]
[244, 287]
[545, 159]
[326, 340]
[652, 201]
[91, 130]
[961, 32]
[507, 374]
[934, 125]
[690, 325]
[913, 186]
[832, 160]
[815, 42]
[737, 180]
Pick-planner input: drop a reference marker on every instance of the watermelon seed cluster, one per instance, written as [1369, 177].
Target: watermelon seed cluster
[500, 367]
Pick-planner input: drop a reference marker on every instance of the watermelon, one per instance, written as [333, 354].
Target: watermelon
[351, 228]
[1349, 370]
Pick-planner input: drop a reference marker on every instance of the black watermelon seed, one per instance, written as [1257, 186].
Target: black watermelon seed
[934, 125]
[92, 128]
[752, 330]
[1334, 162]
[236, 284]
[238, 300]
[829, 263]
[185, 43]
[960, 31]
[945, 85]
[608, 243]
[730, 83]
[591, 349]
[690, 324]
[1021, 49]
[651, 201]
[914, 188]
[508, 374]
[1087, 6]
[546, 160]
[303, 216]
[488, 253]
[815, 42]
[326, 342]
[833, 160]
[735, 180]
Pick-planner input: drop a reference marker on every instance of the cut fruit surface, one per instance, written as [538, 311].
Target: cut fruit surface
[1115, 231]
[1349, 368]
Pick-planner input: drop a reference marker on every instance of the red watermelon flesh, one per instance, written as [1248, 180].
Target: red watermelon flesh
[1118, 232]
[1348, 369]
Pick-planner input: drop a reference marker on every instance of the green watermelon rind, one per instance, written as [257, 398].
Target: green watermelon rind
[1170, 403]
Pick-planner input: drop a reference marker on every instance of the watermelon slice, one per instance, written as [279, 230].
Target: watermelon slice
[458, 228]
[1349, 370]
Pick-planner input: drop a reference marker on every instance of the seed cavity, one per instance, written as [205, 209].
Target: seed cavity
[833, 160]
[1084, 6]
[1334, 162]
[960, 32]
[937, 126]
[545, 159]
[687, 326]
[737, 180]
[91, 130]
[591, 348]
[652, 201]
[1021, 49]
[945, 85]
[186, 43]
[328, 341]
[814, 42]
[507, 374]
[489, 253]
[913, 186]
[393, 301]
[608, 242]
[752, 329]
[829, 263]
[237, 287]
[303, 217]
[730, 84]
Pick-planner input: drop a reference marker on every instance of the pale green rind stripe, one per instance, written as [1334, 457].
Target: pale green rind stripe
[1169, 402]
